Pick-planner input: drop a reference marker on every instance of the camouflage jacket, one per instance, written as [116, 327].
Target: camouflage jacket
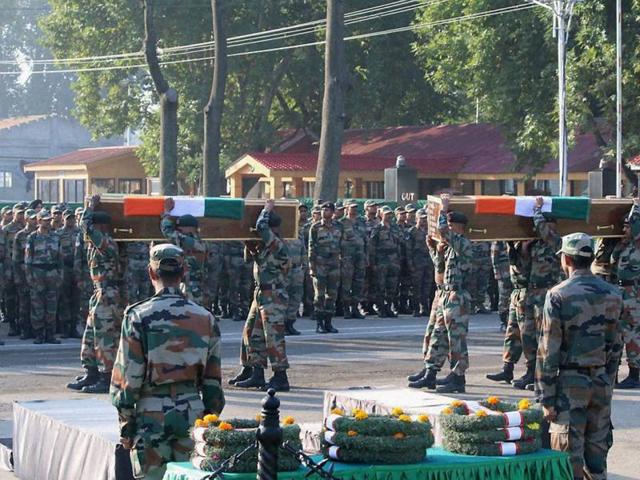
[625, 257]
[137, 255]
[166, 340]
[417, 251]
[10, 230]
[233, 248]
[384, 243]
[272, 262]
[519, 263]
[604, 248]
[67, 244]
[42, 251]
[324, 244]
[80, 266]
[303, 232]
[297, 253]
[500, 260]
[370, 224]
[545, 264]
[437, 259]
[351, 242]
[195, 253]
[580, 329]
[481, 255]
[458, 256]
[19, 245]
[102, 253]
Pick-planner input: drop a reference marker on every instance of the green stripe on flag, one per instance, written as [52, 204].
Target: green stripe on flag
[232, 208]
[574, 208]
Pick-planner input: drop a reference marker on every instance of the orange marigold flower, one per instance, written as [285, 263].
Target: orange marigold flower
[399, 435]
[493, 400]
[337, 411]
[211, 418]
[361, 415]
[447, 411]
[524, 404]
[352, 433]
[404, 418]
[227, 427]
[288, 421]
[481, 413]
[457, 403]
[200, 423]
[423, 418]
[258, 418]
[397, 411]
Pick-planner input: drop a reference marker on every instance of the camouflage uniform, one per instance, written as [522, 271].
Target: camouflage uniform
[167, 374]
[436, 328]
[85, 290]
[239, 270]
[303, 231]
[20, 273]
[263, 334]
[404, 276]
[213, 271]
[480, 275]
[500, 264]
[324, 261]
[602, 266]
[384, 251]
[371, 277]
[578, 355]
[105, 315]
[68, 300]
[43, 267]
[352, 263]
[295, 278]
[421, 268]
[136, 276]
[10, 288]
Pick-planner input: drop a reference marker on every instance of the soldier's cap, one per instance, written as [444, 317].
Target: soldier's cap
[316, 209]
[577, 244]
[400, 210]
[457, 217]
[410, 207]
[329, 205]
[31, 213]
[44, 214]
[549, 217]
[166, 257]
[352, 204]
[386, 209]
[187, 221]
[35, 203]
[56, 209]
[19, 207]
[370, 203]
[340, 206]
[5, 209]
[79, 211]
[68, 213]
[101, 218]
[303, 206]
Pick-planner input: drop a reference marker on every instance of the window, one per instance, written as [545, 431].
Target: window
[130, 185]
[309, 189]
[6, 179]
[48, 190]
[374, 189]
[548, 187]
[579, 188]
[74, 190]
[287, 190]
[432, 186]
[468, 187]
[103, 185]
[348, 189]
[498, 187]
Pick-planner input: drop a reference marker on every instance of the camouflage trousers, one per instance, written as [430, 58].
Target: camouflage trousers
[583, 425]
[295, 291]
[325, 288]
[263, 333]
[436, 330]
[421, 282]
[479, 285]
[104, 321]
[387, 271]
[521, 335]
[10, 297]
[371, 284]
[24, 302]
[504, 294]
[212, 284]
[87, 349]
[44, 298]
[162, 435]
[68, 300]
[308, 290]
[239, 283]
[455, 309]
[352, 270]
[631, 324]
[137, 281]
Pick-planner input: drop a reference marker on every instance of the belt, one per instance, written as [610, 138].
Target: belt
[270, 286]
[450, 287]
[540, 285]
[581, 370]
[171, 389]
[627, 283]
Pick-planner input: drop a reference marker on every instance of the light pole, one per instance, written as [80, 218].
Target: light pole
[618, 98]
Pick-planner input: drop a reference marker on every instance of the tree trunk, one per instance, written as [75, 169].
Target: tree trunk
[211, 179]
[168, 106]
[333, 115]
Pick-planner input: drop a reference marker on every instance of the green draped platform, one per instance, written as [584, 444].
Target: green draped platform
[440, 465]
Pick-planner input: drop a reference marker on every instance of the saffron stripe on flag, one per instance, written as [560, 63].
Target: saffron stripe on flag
[496, 205]
[143, 206]
[574, 208]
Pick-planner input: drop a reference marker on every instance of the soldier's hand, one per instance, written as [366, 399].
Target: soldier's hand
[445, 201]
[169, 204]
[127, 443]
[269, 204]
[549, 413]
[431, 241]
[95, 199]
[636, 201]
[539, 202]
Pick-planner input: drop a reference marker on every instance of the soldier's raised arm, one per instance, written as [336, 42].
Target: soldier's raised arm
[93, 235]
[549, 235]
[169, 230]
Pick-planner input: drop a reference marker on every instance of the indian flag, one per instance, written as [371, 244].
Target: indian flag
[574, 208]
[212, 207]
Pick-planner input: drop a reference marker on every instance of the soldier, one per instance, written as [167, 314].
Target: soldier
[295, 282]
[316, 215]
[384, 250]
[500, 265]
[183, 232]
[104, 316]
[69, 298]
[43, 268]
[213, 270]
[353, 261]
[412, 212]
[456, 301]
[56, 211]
[20, 273]
[304, 225]
[480, 275]
[10, 291]
[578, 354]
[402, 299]
[7, 216]
[626, 267]
[602, 266]
[167, 371]
[263, 334]
[136, 276]
[370, 221]
[421, 266]
[239, 279]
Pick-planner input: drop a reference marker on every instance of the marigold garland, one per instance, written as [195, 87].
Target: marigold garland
[211, 418]
[493, 400]
[447, 411]
[424, 418]
[405, 418]
[288, 421]
[534, 426]
[361, 415]
[524, 404]
[337, 411]
[481, 413]
[352, 433]
[397, 411]
[227, 427]
[399, 435]
[200, 423]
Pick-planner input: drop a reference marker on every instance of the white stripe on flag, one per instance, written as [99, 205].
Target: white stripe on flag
[188, 206]
[524, 205]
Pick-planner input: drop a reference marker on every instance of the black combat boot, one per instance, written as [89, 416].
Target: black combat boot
[27, 333]
[389, 311]
[506, 375]
[327, 325]
[348, 311]
[369, 309]
[289, 329]
[503, 321]
[243, 374]
[89, 378]
[632, 381]
[445, 380]
[527, 379]
[101, 385]
[49, 337]
[279, 382]
[455, 385]
[307, 311]
[320, 325]
[256, 380]
[417, 376]
[39, 336]
[356, 313]
[427, 381]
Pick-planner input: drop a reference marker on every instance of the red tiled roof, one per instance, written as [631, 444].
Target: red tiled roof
[86, 156]
[635, 161]
[6, 123]
[309, 161]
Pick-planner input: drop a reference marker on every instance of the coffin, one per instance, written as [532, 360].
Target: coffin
[147, 228]
[605, 220]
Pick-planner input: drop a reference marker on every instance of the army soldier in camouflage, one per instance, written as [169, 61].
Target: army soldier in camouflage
[371, 220]
[420, 265]
[480, 275]
[20, 273]
[56, 211]
[7, 215]
[626, 268]
[384, 251]
[355, 245]
[602, 266]
[136, 276]
[325, 239]
[213, 271]
[304, 225]
[43, 268]
[69, 298]
[500, 265]
[295, 282]
[263, 335]
[239, 279]
[10, 291]
[167, 371]
[403, 296]
[578, 354]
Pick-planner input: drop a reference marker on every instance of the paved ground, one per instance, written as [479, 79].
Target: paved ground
[373, 352]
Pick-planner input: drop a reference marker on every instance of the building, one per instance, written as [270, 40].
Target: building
[32, 138]
[472, 159]
[88, 171]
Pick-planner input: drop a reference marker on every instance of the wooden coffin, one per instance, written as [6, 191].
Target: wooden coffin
[126, 228]
[605, 220]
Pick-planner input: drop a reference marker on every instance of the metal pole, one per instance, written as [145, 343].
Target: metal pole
[619, 98]
[269, 438]
[562, 94]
